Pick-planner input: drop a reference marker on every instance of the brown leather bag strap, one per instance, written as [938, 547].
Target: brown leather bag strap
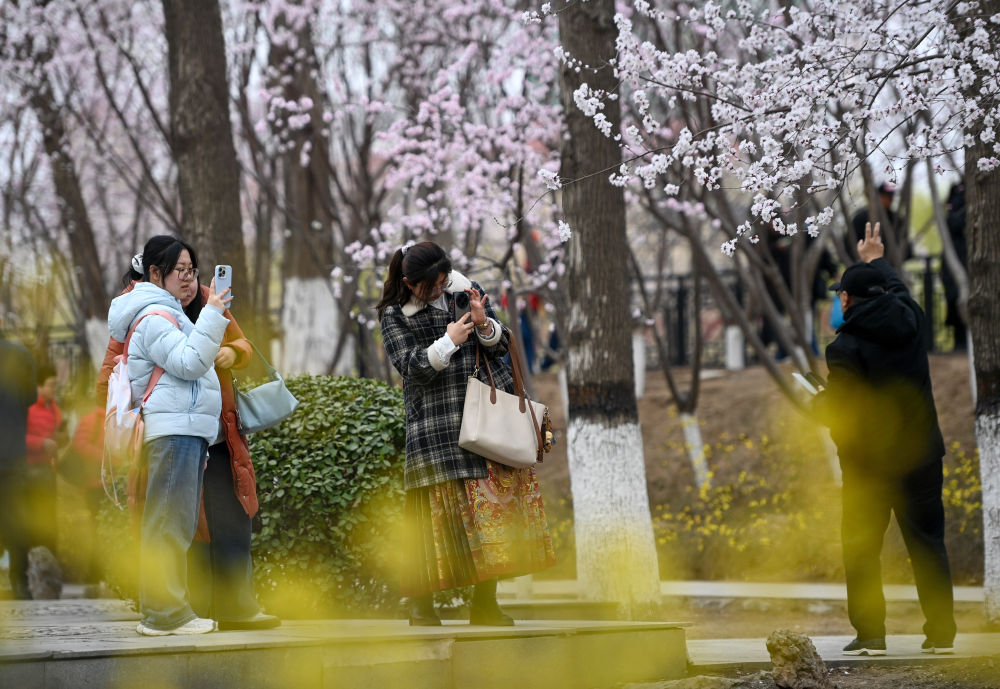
[521, 391]
[489, 373]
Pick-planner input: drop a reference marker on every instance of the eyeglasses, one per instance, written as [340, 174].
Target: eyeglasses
[441, 287]
[185, 274]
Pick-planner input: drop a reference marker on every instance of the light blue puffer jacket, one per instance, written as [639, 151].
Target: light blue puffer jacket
[187, 399]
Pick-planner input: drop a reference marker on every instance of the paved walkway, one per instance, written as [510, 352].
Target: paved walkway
[542, 588]
[903, 649]
[80, 623]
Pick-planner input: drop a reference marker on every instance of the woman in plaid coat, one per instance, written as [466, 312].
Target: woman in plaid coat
[470, 520]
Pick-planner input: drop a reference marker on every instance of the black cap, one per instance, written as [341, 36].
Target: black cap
[887, 188]
[862, 280]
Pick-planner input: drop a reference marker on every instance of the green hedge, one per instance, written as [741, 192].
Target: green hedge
[329, 480]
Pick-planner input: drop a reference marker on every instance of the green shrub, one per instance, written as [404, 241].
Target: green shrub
[329, 480]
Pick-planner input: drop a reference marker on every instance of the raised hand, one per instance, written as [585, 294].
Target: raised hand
[477, 305]
[221, 300]
[871, 246]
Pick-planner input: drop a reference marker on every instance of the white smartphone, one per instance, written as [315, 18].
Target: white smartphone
[223, 278]
[804, 383]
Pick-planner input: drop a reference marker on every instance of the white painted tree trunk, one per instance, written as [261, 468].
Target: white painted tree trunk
[310, 320]
[639, 362]
[735, 354]
[615, 547]
[97, 334]
[695, 447]
[831, 456]
[988, 439]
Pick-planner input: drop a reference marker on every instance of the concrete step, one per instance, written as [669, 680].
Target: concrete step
[548, 609]
[342, 654]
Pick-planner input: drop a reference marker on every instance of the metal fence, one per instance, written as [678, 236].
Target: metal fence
[676, 317]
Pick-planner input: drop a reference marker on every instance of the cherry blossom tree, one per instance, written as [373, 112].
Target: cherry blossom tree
[70, 73]
[477, 120]
[818, 91]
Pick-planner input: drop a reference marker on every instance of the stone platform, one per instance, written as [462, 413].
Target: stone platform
[63, 644]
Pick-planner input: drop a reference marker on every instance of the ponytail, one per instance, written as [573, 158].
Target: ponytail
[394, 291]
[129, 277]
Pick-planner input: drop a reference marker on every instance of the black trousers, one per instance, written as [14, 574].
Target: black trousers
[220, 573]
[915, 499]
[14, 529]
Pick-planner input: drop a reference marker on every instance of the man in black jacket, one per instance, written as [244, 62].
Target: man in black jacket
[880, 409]
[17, 393]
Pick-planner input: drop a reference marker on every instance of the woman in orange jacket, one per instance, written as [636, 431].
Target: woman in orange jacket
[229, 499]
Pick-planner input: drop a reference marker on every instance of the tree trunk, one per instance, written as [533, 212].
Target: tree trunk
[313, 322]
[616, 553]
[982, 191]
[983, 198]
[202, 138]
[93, 300]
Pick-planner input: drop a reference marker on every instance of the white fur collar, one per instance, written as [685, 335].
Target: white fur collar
[459, 283]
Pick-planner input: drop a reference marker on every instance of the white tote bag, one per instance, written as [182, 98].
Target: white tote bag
[505, 428]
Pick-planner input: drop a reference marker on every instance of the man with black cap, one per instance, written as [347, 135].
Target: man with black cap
[880, 409]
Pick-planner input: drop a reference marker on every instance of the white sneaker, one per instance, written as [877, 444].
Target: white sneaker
[198, 625]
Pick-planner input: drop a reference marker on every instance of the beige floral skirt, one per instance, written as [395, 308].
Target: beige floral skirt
[462, 532]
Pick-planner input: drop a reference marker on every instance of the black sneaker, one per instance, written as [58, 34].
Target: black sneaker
[865, 647]
[939, 648]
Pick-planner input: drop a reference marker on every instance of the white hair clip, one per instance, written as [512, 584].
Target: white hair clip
[137, 263]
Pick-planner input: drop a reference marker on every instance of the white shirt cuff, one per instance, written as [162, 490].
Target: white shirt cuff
[494, 336]
[440, 351]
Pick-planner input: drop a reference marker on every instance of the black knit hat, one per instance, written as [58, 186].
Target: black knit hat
[861, 280]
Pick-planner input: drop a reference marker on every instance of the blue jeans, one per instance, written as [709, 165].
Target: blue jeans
[169, 521]
[220, 578]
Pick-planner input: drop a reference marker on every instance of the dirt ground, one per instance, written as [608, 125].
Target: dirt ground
[979, 673]
[748, 403]
[756, 618]
[735, 402]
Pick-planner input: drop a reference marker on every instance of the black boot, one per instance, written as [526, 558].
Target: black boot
[422, 612]
[484, 610]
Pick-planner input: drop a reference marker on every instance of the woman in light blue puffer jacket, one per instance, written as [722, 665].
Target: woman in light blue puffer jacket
[181, 421]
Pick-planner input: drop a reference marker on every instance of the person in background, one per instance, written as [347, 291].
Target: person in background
[879, 406]
[45, 435]
[893, 236]
[220, 566]
[80, 465]
[17, 393]
[472, 520]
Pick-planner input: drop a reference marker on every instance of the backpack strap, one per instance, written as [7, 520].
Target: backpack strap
[154, 378]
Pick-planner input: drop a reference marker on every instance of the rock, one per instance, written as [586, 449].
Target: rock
[44, 574]
[797, 665]
[699, 682]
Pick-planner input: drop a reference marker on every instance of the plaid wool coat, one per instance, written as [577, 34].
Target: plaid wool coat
[434, 399]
